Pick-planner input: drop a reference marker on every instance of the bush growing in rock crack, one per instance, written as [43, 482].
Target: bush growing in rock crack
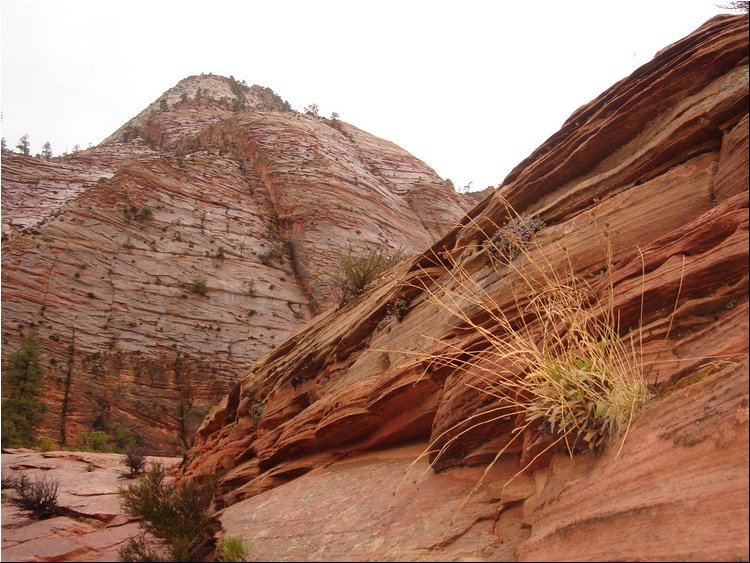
[36, 497]
[506, 243]
[358, 269]
[199, 285]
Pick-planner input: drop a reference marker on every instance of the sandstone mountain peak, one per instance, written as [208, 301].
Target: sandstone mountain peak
[189, 243]
[214, 90]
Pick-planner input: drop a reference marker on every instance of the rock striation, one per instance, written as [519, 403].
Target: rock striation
[159, 265]
[644, 193]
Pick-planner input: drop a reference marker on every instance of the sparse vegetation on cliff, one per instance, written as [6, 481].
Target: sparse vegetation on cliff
[133, 212]
[736, 5]
[199, 285]
[508, 241]
[276, 251]
[46, 150]
[358, 269]
[238, 89]
[131, 132]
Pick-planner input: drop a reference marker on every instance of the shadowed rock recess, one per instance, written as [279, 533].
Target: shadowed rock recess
[159, 265]
[314, 443]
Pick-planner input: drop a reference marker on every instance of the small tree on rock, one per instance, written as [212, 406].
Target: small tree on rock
[739, 5]
[23, 145]
[47, 150]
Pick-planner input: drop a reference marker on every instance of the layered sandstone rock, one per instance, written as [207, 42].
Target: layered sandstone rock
[91, 525]
[159, 265]
[643, 190]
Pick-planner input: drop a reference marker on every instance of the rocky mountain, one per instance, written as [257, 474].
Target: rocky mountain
[362, 436]
[159, 265]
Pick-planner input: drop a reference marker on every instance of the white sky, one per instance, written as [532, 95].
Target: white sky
[471, 87]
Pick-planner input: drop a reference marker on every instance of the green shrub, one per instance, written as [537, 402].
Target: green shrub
[232, 548]
[358, 270]
[133, 212]
[199, 285]
[130, 132]
[276, 251]
[22, 405]
[176, 515]
[123, 438]
[47, 444]
[99, 440]
[94, 441]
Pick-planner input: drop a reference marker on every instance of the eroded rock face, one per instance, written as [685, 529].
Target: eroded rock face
[159, 265]
[93, 527]
[644, 191]
[688, 502]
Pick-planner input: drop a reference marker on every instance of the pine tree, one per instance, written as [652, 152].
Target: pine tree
[23, 145]
[23, 408]
[47, 150]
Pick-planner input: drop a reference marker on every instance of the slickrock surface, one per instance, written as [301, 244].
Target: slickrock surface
[93, 527]
[652, 176]
[105, 250]
[376, 506]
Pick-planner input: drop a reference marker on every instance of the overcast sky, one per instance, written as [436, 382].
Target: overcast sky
[471, 87]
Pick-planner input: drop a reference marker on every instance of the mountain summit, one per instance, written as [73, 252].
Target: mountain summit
[156, 267]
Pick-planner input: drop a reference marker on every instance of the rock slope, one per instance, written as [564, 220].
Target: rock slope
[644, 190]
[159, 265]
[91, 525]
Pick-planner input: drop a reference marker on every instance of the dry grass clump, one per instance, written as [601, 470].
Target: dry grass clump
[553, 358]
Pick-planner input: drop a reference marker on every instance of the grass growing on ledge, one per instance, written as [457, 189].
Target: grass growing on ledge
[232, 548]
[553, 360]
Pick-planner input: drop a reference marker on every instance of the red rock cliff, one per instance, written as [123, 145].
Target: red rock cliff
[159, 265]
[313, 443]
